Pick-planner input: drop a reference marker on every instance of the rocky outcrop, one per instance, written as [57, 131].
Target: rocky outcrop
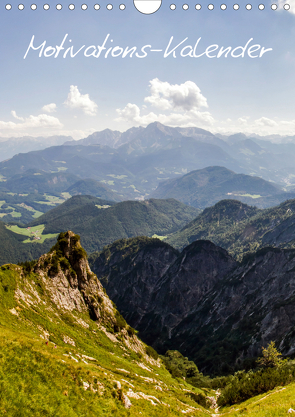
[71, 284]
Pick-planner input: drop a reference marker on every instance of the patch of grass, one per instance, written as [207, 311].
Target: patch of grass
[34, 233]
[53, 199]
[118, 177]
[159, 237]
[249, 195]
[66, 195]
[275, 403]
[151, 352]
[36, 214]
[110, 182]
[48, 203]
[8, 210]
[15, 214]
[102, 207]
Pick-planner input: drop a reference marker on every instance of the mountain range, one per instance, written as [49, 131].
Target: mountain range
[205, 187]
[35, 181]
[98, 222]
[239, 228]
[12, 146]
[191, 236]
[230, 224]
[134, 163]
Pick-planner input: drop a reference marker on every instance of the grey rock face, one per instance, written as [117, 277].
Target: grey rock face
[71, 284]
[130, 274]
[201, 301]
[187, 281]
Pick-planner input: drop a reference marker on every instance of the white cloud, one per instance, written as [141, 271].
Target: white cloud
[165, 96]
[49, 108]
[76, 100]
[262, 126]
[41, 125]
[264, 121]
[131, 112]
[180, 101]
[242, 120]
[29, 125]
[17, 117]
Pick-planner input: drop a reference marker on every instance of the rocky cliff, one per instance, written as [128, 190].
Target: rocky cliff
[130, 270]
[201, 301]
[72, 285]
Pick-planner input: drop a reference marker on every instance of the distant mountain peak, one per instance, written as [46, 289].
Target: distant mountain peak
[237, 137]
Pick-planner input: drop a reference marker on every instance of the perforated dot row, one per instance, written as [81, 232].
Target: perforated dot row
[59, 7]
[235, 6]
[172, 7]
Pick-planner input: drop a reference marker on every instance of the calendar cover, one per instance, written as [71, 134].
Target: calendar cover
[156, 138]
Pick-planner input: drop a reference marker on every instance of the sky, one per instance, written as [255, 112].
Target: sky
[122, 68]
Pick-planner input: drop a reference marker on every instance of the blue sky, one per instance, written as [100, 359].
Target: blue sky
[77, 96]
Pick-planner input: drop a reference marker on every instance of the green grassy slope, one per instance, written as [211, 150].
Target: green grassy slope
[25, 207]
[12, 247]
[274, 403]
[56, 361]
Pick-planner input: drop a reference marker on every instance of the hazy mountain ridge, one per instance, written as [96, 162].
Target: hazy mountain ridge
[12, 146]
[205, 187]
[133, 163]
[93, 188]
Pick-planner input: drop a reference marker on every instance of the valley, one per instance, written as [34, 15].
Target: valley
[66, 350]
[190, 241]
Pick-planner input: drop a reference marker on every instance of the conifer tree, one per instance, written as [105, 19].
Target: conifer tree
[270, 357]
